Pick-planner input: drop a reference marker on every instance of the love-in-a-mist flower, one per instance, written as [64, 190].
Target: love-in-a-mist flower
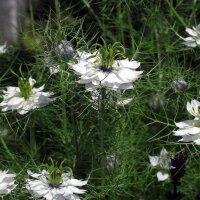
[25, 97]
[194, 36]
[162, 163]
[189, 130]
[54, 185]
[3, 48]
[7, 182]
[106, 67]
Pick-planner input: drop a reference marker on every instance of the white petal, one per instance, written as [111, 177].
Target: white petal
[31, 81]
[154, 160]
[191, 32]
[75, 182]
[162, 176]
[128, 64]
[188, 131]
[187, 124]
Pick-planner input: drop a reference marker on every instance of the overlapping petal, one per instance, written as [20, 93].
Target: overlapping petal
[119, 76]
[189, 130]
[40, 187]
[13, 100]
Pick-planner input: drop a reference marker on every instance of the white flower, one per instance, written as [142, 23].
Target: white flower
[120, 75]
[111, 97]
[25, 98]
[163, 163]
[194, 39]
[7, 182]
[40, 187]
[189, 130]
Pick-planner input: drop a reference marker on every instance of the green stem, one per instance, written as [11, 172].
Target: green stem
[175, 13]
[101, 107]
[64, 113]
[7, 150]
[33, 145]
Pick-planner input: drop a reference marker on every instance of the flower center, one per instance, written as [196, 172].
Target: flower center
[55, 177]
[25, 88]
[108, 53]
[105, 69]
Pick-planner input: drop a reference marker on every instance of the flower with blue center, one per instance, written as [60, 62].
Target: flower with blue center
[54, 185]
[25, 97]
[189, 130]
[106, 67]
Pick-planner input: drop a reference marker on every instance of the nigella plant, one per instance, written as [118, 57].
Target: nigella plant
[106, 67]
[54, 184]
[25, 97]
[103, 69]
[177, 171]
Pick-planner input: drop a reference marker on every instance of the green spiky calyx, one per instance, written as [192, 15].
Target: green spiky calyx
[109, 53]
[25, 87]
[55, 176]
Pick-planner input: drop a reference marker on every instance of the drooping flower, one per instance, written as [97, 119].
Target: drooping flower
[54, 185]
[3, 48]
[24, 97]
[194, 36]
[105, 68]
[189, 130]
[163, 163]
[7, 182]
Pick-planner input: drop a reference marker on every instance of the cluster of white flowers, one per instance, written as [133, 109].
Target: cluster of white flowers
[189, 130]
[163, 163]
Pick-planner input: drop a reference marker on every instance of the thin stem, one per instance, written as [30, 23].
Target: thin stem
[7, 150]
[101, 107]
[33, 144]
[64, 113]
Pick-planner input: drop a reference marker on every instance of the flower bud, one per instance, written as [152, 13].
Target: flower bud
[64, 50]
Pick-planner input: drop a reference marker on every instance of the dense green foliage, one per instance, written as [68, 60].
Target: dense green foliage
[68, 128]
